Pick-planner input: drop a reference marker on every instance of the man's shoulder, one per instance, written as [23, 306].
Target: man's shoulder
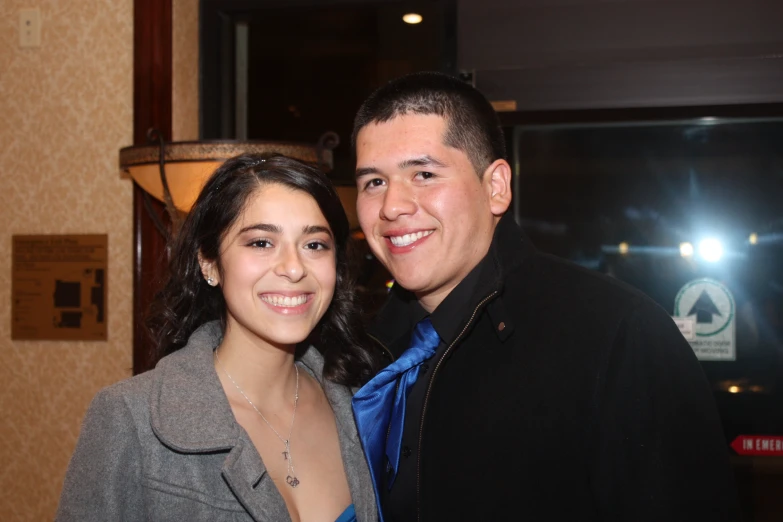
[546, 281]
[527, 273]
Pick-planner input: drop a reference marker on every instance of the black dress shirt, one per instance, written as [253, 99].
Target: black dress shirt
[399, 501]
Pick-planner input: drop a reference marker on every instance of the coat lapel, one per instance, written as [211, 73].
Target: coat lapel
[190, 413]
[189, 410]
[356, 470]
[241, 471]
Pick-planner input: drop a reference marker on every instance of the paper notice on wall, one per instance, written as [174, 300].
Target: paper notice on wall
[59, 287]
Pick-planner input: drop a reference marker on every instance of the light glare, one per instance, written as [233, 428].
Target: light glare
[711, 250]
[686, 249]
[412, 18]
[623, 248]
[753, 239]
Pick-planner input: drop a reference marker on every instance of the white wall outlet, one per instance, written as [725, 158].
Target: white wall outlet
[30, 27]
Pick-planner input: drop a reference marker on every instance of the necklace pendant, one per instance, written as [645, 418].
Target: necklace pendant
[292, 481]
[285, 455]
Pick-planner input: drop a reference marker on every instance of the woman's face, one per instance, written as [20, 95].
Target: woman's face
[278, 267]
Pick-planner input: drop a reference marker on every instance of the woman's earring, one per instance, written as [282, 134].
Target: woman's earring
[210, 281]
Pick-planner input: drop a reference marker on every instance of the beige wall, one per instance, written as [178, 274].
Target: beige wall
[184, 74]
[65, 111]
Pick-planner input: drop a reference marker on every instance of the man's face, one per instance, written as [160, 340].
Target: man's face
[425, 212]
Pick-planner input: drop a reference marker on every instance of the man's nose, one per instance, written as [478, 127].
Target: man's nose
[398, 200]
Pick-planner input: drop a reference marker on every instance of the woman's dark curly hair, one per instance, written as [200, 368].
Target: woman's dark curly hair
[187, 301]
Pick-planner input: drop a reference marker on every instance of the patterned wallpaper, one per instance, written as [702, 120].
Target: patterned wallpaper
[184, 74]
[65, 110]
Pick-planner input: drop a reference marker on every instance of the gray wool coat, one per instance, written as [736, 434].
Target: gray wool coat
[165, 446]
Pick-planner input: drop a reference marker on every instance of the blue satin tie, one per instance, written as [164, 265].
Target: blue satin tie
[379, 406]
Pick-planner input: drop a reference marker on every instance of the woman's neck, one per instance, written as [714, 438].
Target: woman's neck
[264, 372]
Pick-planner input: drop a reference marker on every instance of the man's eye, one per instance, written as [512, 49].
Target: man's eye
[375, 182]
[425, 175]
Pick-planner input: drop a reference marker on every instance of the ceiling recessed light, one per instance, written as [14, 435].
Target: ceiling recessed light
[412, 18]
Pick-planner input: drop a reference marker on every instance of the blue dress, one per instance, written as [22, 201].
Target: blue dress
[349, 515]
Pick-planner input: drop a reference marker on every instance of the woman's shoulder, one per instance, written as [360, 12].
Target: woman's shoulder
[138, 387]
[131, 394]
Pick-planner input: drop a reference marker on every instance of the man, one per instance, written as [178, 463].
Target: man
[552, 392]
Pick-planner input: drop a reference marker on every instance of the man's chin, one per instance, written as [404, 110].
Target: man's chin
[412, 284]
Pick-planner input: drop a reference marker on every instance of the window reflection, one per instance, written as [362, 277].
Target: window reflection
[662, 205]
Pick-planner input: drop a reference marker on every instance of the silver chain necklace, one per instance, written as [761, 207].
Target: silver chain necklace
[289, 458]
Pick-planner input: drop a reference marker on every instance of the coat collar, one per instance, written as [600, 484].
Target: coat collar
[189, 410]
[190, 413]
[510, 248]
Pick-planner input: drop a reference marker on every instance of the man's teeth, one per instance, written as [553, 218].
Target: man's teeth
[279, 300]
[407, 239]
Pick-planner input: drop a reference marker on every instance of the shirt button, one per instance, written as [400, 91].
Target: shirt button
[501, 326]
[406, 452]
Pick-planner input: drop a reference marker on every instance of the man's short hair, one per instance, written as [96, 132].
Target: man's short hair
[472, 125]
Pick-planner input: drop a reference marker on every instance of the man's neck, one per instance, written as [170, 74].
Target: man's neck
[431, 301]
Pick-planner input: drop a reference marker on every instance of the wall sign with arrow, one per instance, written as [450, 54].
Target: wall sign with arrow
[704, 310]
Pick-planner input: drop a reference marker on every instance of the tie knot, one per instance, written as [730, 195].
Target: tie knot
[425, 337]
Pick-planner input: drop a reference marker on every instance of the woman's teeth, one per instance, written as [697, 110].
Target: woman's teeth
[279, 300]
[407, 239]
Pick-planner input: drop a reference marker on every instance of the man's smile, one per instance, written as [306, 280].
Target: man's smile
[408, 239]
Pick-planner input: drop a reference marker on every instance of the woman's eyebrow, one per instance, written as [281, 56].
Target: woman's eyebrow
[264, 227]
[316, 229]
[277, 229]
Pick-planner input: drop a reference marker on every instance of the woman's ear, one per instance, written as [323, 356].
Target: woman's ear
[497, 179]
[208, 271]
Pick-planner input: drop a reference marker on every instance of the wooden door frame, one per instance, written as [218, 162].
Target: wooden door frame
[152, 103]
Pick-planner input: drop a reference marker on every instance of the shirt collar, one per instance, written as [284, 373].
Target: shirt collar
[472, 289]
[399, 315]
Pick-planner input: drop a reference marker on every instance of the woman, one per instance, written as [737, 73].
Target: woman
[235, 423]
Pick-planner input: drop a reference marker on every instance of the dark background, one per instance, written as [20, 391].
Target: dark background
[622, 106]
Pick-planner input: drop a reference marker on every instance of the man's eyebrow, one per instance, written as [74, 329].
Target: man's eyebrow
[316, 229]
[364, 171]
[263, 227]
[421, 161]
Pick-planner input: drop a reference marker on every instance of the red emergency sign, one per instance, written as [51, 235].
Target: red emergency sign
[767, 445]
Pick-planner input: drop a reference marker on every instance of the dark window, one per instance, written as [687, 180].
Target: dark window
[662, 206]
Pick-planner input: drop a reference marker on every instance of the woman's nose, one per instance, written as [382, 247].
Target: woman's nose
[290, 264]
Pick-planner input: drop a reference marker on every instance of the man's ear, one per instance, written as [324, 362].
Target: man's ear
[208, 270]
[497, 180]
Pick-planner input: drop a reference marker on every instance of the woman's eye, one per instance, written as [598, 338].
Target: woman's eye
[261, 243]
[317, 245]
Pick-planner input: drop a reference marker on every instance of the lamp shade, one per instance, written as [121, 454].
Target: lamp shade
[188, 164]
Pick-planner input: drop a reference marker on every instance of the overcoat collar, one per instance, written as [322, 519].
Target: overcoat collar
[510, 248]
[190, 413]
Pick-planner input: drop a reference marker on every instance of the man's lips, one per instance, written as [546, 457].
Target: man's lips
[405, 239]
